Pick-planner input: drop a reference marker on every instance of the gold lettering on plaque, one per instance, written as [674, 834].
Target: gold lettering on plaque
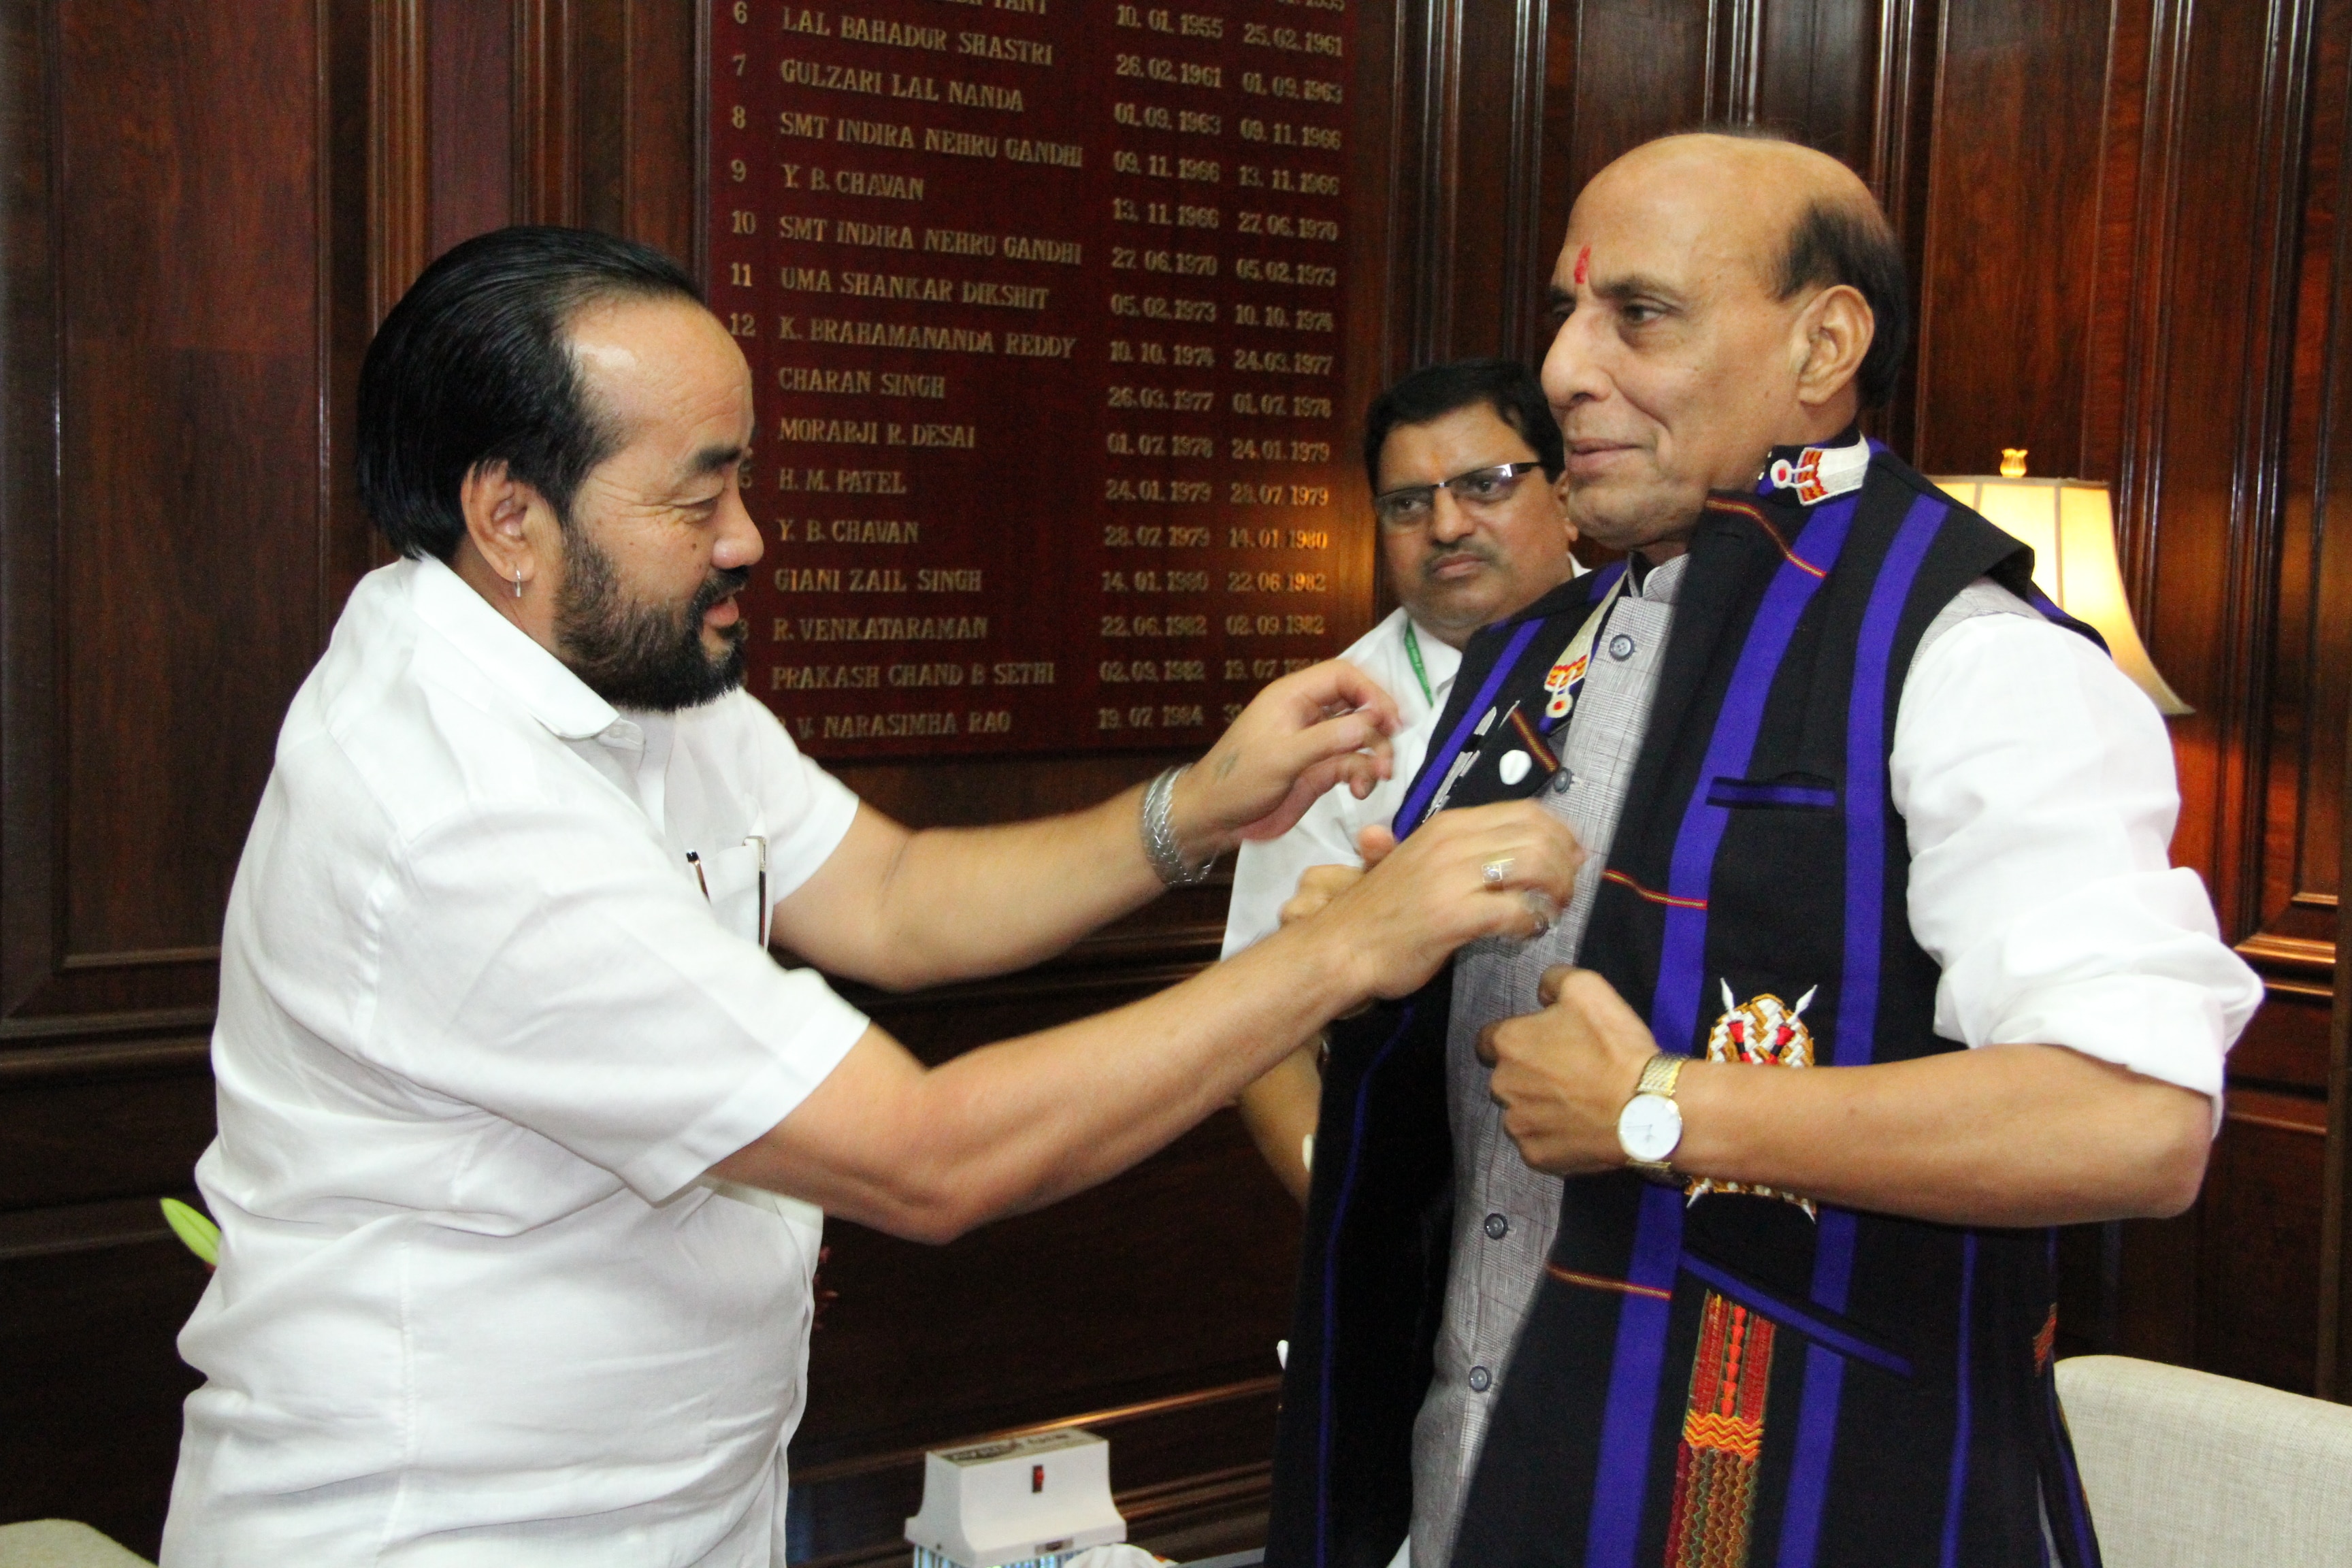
[899, 34]
[1068, 252]
[892, 187]
[869, 531]
[826, 677]
[901, 335]
[959, 143]
[808, 378]
[982, 94]
[892, 628]
[875, 133]
[833, 432]
[830, 78]
[897, 286]
[990, 47]
[881, 236]
[1007, 296]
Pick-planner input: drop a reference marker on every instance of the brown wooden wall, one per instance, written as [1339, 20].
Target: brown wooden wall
[2122, 221]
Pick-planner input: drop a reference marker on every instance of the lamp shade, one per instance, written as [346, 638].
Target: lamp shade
[2072, 527]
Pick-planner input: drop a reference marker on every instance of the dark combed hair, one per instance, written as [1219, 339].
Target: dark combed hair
[1505, 386]
[1841, 242]
[474, 367]
[1835, 242]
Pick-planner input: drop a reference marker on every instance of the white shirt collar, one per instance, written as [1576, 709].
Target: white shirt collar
[1438, 657]
[506, 653]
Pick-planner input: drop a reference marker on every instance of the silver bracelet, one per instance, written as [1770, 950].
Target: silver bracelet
[1159, 845]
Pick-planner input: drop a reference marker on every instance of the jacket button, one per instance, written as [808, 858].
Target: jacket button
[1481, 1380]
[1497, 1228]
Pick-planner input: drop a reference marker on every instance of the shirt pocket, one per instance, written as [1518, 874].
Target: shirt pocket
[733, 879]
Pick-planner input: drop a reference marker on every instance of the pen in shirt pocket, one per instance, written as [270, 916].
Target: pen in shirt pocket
[758, 845]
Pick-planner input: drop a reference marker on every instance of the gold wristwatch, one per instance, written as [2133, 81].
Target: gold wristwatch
[1650, 1128]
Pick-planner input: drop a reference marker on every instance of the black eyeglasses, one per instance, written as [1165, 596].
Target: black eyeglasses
[1411, 506]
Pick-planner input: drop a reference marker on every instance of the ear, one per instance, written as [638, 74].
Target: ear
[1832, 334]
[497, 509]
[1559, 500]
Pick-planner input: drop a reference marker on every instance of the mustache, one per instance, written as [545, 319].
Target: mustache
[1431, 564]
[718, 585]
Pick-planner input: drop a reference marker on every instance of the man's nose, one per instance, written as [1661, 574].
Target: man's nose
[1449, 520]
[739, 542]
[1571, 367]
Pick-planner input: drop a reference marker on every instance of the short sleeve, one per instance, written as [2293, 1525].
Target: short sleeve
[808, 810]
[548, 967]
[2037, 788]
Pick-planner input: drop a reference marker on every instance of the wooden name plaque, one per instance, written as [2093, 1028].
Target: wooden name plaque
[1048, 305]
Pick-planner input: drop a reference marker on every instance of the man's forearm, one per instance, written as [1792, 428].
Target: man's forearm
[956, 903]
[2011, 1135]
[1016, 1125]
[1281, 1111]
[1011, 1126]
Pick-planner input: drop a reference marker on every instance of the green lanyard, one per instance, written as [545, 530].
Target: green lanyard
[1413, 652]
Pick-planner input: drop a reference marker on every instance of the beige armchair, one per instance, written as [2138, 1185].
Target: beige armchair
[61, 1544]
[2186, 1469]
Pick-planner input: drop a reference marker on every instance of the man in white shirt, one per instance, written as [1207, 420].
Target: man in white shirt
[1462, 458]
[1855, 806]
[524, 1136]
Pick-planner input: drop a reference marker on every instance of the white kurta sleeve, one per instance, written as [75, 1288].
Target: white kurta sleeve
[1266, 875]
[2037, 788]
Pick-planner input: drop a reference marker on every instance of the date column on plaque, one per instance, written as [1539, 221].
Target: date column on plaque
[1038, 300]
[1187, 221]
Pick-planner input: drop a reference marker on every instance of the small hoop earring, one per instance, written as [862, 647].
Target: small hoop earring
[518, 582]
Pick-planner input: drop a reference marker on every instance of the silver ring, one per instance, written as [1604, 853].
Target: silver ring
[1493, 872]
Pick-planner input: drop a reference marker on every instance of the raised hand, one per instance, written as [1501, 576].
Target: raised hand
[1324, 726]
[1489, 870]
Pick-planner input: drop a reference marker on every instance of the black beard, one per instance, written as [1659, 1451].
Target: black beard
[635, 655]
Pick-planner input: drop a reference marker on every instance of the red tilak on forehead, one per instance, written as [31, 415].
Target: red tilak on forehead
[1583, 263]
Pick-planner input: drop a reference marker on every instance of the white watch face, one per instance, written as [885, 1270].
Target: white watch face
[1648, 1127]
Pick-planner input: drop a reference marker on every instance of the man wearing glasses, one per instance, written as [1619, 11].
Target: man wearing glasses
[1462, 458]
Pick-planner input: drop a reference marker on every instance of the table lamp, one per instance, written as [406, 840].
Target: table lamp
[2072, 527]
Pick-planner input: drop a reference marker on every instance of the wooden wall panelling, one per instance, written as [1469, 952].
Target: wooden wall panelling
[1896, 163]
[2260, 1215]
[2201, 515]
[2311, 681]
[1484, 256]
[1432, 110]
[470, 154]
[400, 166]
[92, 1299]
[546, 113]
[2333, 1363]
[2011, 210]
[2331, 492]
[1815, 74]
[28, 504]
[185, 297]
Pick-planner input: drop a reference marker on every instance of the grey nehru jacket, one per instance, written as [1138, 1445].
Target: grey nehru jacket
[1504, 1213]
